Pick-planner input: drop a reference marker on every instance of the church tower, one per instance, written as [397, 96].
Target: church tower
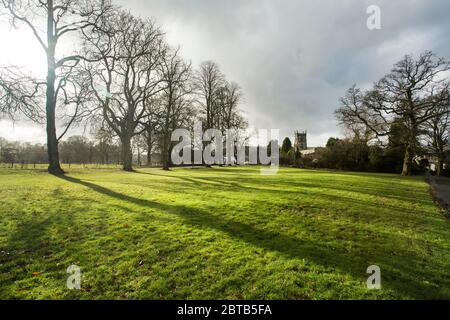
[300, 141]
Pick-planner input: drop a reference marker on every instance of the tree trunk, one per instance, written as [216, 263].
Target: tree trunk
[127, 156]
[165, 153]
[149, 148]
[52, 141]
[407, 161]
[149, 158]
[139, 156]
[440, 166]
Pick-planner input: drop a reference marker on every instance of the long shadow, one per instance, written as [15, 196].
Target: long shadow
[408, 284]
[238, 187]
[370, 208]
[34, 239]
[300, 184]
[27, 243]
[415, 216]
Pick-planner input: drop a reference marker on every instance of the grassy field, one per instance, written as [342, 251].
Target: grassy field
[220, 233]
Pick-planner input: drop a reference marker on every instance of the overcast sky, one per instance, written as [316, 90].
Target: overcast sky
[292, 58]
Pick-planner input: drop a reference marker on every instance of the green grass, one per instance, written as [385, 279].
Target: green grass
[220, 233]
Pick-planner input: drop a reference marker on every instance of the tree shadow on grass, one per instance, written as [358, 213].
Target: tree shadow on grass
[366, 188]
[32, 243]
[413, 214]
[27, 244]
[399, 216]
[401, 273]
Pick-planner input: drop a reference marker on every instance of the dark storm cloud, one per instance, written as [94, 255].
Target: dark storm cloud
[294, 59]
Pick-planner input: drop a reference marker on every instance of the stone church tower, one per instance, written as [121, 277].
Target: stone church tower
[300, 141]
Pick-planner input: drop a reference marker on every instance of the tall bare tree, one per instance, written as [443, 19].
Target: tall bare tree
[411, 92]
[209, 80]
[51, 21]
[152, 126]
[176, 77]
[438, 136]
[231, 96]
[127, 76]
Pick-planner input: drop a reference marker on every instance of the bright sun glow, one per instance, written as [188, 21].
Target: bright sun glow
[20, 48]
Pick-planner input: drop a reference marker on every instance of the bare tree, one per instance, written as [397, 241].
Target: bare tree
[438, 136]
[351, 123]
[230, 114]
[152, 127]
[127, 75]
[50, 22]
[209, 79]
[176, 75]
[104, 138]
[412, 92]
[139, 145]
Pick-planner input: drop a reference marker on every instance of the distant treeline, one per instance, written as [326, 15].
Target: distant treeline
[407, 110]
[355, 154]
[75, 150]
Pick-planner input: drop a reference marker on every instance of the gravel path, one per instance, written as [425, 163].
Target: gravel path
[441, 191]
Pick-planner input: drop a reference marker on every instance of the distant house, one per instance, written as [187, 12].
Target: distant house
[308, 151]
[433, 160]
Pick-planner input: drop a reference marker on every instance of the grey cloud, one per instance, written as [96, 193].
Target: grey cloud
[295, 58]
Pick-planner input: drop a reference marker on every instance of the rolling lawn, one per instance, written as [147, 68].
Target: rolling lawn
[220, 233]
